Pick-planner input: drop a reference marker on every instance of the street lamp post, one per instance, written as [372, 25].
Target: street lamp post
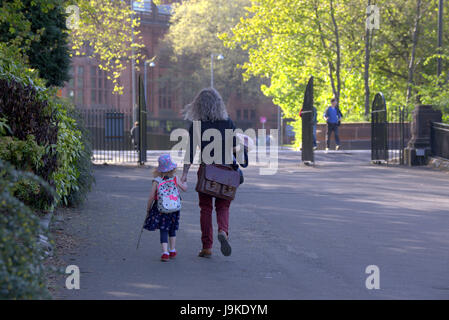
[219, 57]
[151, 64]
[440, 35]
[133, 71]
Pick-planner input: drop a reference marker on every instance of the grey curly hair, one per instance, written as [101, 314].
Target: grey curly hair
[208, 105]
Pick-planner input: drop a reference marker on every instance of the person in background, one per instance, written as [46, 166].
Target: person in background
[135, 135]
[332, 115]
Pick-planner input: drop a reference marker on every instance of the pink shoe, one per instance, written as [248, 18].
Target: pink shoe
[165, 257]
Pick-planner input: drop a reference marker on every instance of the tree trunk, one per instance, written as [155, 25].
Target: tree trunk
[338, 49]
[366, 76]
[411, 66]
[325, 48]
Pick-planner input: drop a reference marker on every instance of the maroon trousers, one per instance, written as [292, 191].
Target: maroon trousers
[222, 209]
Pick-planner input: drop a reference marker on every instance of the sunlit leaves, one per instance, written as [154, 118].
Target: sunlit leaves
[108, 33]
[290, 40]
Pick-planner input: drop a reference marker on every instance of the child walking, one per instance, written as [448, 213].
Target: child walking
[164, 205]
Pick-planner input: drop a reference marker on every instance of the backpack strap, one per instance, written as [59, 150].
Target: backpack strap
[158, 180]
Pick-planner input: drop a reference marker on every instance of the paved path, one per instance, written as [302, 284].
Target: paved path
[304, 233]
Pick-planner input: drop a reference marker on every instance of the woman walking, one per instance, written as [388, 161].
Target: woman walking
[209, 109]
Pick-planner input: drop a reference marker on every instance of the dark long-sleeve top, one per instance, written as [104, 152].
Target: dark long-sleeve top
[221, 126]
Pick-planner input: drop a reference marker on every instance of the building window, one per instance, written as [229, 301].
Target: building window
[245, 114]
[239, 114]
[80, 85]
[99, 93]
[253, 114]
[165, 94]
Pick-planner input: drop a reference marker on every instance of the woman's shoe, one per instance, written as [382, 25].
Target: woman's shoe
[172, 254]
[225, 247]
[165, 257]
[205, 253]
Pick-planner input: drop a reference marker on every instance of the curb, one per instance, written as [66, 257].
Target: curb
[46, 220]
[43, 239]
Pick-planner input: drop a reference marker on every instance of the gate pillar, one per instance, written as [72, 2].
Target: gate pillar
[419, 147]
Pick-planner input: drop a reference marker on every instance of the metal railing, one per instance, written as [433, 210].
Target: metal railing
[390, 132]
[440, 140]
[110, 132]
[110, 135]
[399, 134]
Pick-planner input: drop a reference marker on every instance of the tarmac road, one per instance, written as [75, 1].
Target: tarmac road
[303, 233]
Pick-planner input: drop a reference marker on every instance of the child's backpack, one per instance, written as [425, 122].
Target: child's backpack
[168, 198]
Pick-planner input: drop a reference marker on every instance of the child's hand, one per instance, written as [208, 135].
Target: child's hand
[182, 186]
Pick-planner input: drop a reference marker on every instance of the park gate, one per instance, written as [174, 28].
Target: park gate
[110, 133]
[142, 150]
[307, 124]
[390, 132]
[379, 132]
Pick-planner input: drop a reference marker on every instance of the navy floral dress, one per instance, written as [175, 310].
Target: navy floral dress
[162, 221]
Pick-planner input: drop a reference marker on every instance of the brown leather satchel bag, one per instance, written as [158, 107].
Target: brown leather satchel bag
[218, 180]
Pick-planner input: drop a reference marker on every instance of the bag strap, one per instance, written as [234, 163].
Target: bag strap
[245, 163]
[158, 180]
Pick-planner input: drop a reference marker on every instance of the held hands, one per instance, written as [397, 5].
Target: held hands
[183, 184]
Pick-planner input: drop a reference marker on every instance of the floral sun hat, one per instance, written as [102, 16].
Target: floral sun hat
[166, 164]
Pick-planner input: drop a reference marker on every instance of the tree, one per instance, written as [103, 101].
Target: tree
[411, 67]
[193, 36]
[38, 28]
[108, 32]
[368, 37]
[289, 40]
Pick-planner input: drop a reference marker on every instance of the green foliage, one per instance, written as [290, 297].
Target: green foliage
[22, 275]
[69, 149]
[108, 32]
[58, 154]
[436, 93]
[23, 154]
[288, 41]
[4, 128]
[83, 164]
[193, 36]
[39, 30]
[28, 191]
[24, 101]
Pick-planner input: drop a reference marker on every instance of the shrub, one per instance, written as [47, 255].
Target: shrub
[83, 164]
[22, 275]
[28, 115]
[4, 128]
[23, 154]
[69, 150]
[24, 103]
[32, 109]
